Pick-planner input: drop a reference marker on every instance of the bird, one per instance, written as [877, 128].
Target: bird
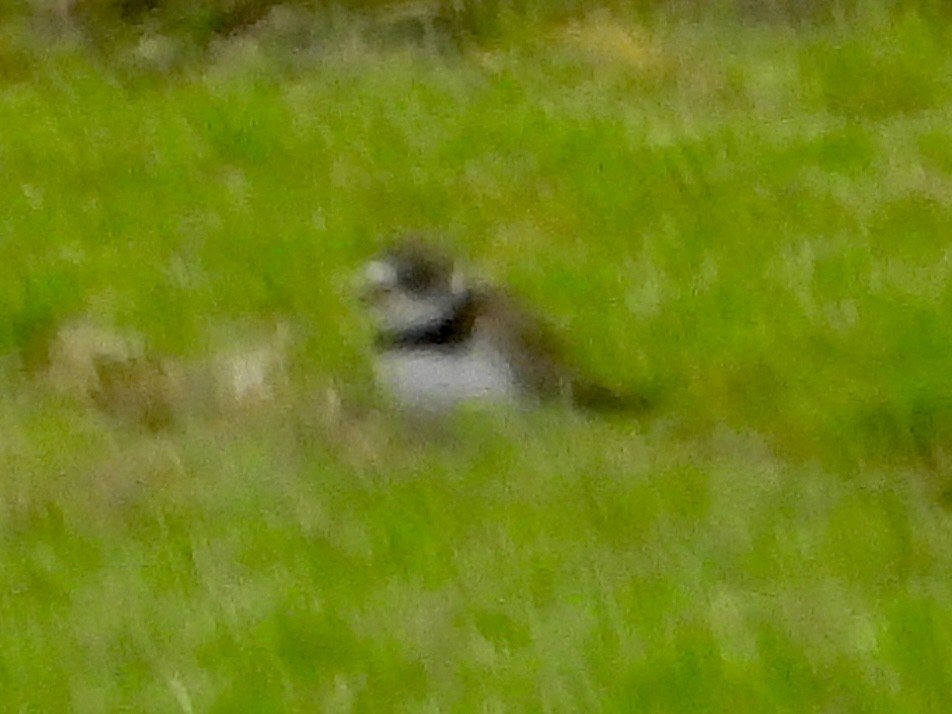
[443, 340]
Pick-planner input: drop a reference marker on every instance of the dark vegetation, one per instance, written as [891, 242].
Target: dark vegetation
[109, 21]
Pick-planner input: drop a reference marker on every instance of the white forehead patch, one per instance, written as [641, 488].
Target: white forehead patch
[381, 273]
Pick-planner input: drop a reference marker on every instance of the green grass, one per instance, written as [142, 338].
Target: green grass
[751, 222]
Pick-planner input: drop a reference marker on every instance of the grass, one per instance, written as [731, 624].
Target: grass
[749, 221]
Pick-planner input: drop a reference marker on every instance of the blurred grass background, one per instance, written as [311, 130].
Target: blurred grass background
[743, 208]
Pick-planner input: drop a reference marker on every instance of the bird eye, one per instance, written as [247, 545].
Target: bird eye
[416, 278]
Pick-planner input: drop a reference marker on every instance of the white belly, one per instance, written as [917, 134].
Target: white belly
[441, 380]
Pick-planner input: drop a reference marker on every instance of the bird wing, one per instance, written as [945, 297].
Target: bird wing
[539, 359]
[536, 354]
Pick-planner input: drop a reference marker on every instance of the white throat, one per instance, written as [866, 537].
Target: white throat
[434, 380]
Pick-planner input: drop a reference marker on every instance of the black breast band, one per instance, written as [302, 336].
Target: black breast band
[449, 331]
